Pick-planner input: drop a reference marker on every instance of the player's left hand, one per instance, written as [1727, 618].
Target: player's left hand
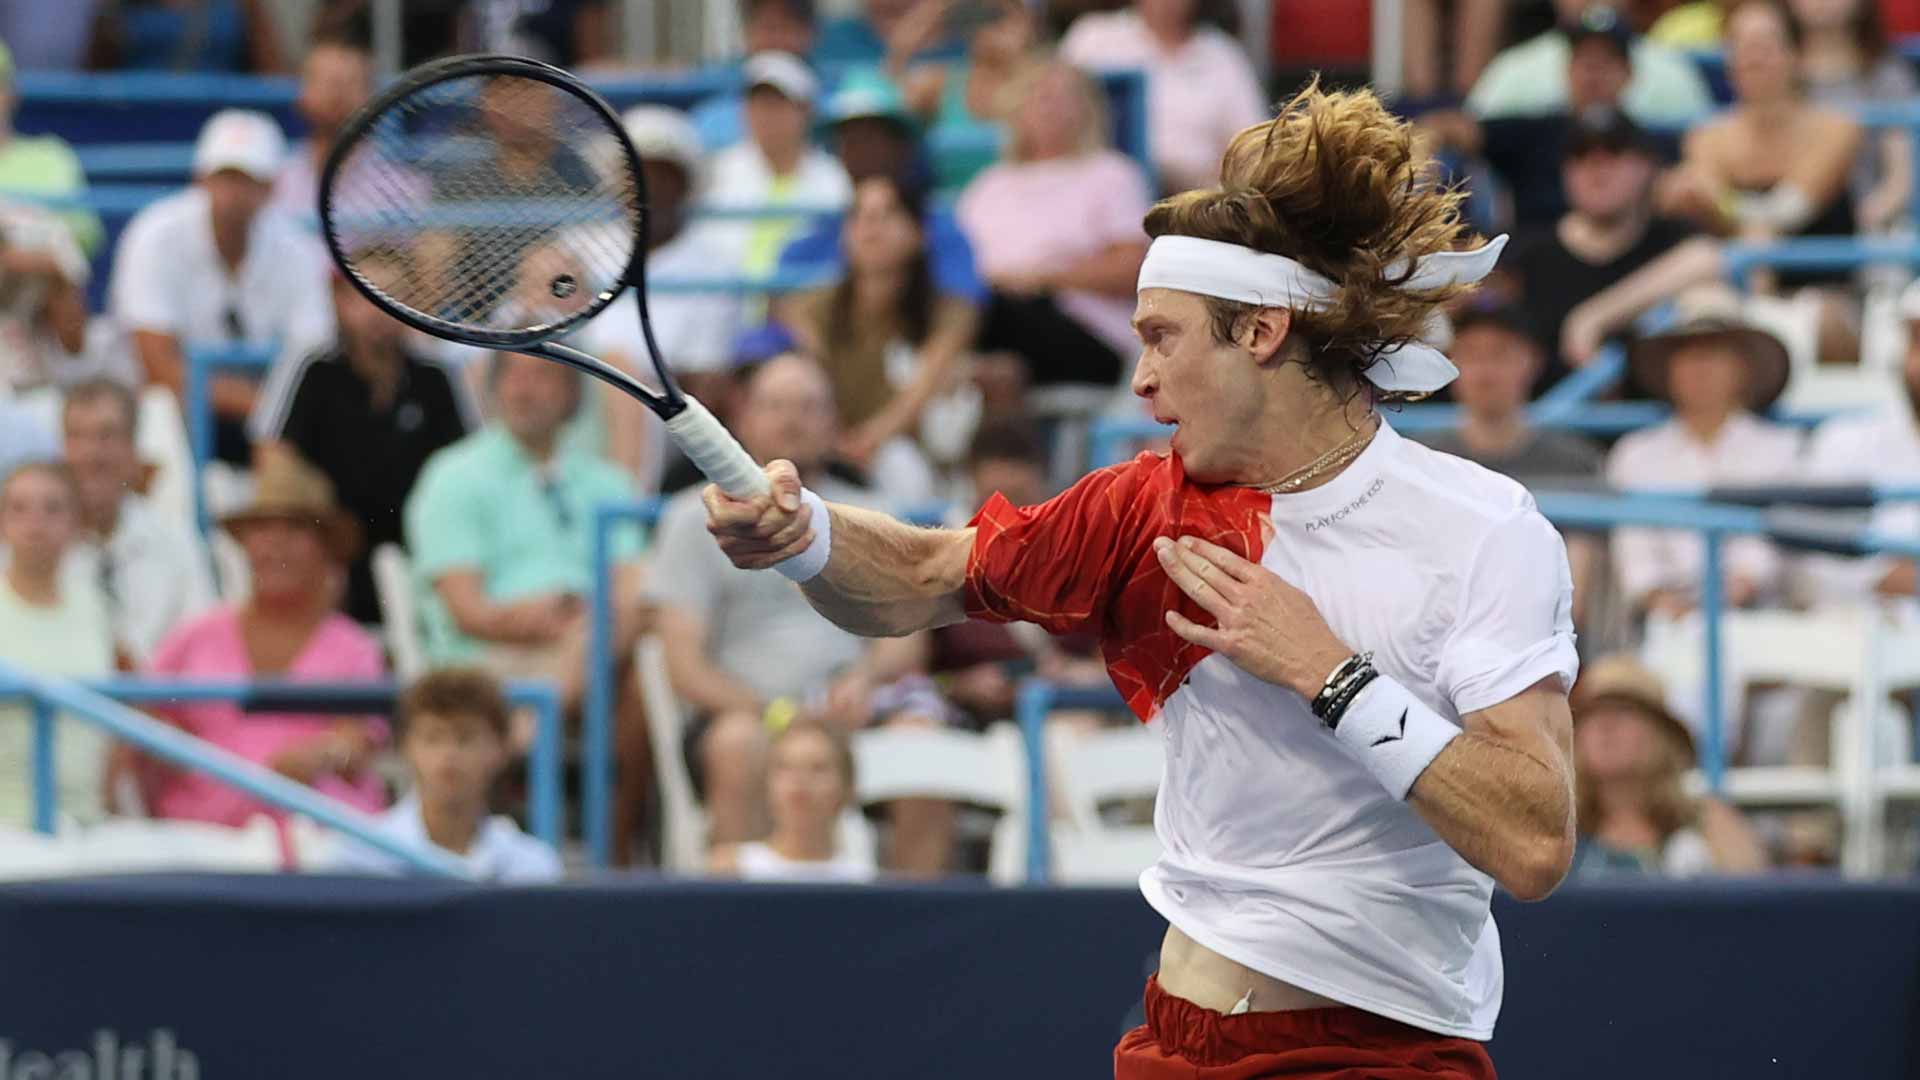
[1268, 627]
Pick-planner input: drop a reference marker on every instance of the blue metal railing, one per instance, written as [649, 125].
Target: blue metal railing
[100, 704]
[204, 361]
[597, 716]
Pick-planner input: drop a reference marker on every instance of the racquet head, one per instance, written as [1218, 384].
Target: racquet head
[490, 200]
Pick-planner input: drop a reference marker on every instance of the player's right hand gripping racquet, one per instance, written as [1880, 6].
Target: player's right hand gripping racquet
[496, 202]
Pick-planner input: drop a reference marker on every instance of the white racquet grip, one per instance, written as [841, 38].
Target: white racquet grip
[714, 450]
[803, 567]
[1394, 735]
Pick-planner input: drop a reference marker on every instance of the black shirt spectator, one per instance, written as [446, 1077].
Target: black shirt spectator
[1554, 280]
[372, 451]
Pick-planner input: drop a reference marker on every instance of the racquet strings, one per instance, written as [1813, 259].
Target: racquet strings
[489, 204]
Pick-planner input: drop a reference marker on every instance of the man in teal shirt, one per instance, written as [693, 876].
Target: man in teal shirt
[500, 529]
[42, 166]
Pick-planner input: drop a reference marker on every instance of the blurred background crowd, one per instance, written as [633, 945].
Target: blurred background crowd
[895, 242]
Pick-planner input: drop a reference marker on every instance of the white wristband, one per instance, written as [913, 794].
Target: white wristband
[808, 564]
[1395, 736]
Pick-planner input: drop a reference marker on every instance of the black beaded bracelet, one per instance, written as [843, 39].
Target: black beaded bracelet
[1352, 690]
[1337, 681]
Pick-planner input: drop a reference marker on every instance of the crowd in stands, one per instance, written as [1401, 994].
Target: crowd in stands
[946, 301]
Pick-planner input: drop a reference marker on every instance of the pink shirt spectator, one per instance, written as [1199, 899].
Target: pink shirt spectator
[210, 647]
[1030, 216]
[1199, 95]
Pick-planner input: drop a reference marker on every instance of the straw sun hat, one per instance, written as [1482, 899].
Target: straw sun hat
[286, 488]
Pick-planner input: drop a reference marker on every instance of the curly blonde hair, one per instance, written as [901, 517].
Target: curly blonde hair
[1335, 183]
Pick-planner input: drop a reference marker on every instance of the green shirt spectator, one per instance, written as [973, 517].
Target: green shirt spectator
[487, 506]
[42, 166]
[1531, 77]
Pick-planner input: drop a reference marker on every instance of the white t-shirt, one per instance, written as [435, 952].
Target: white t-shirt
[155, 573]
[1881, 447]
[168, 278]
[1281, 851]
[740, 177]
[1669, 457]
[500, 852]
[758, 862]
[69, 639]
[695, 330]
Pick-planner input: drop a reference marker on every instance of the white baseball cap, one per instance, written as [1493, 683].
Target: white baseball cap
[784, 72]
[663, 134]
[242, 139]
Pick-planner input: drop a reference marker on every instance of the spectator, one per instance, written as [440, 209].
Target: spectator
[452, 727]
[48, 35]
[809, 785]
[1531, 77]
[368, 412]
[336, 79]
[784, 26]
[41, 164]
[214, 265]
[1056, 232]
[1633, 814]
[1774, 165]
[695, 330]
[891, 345]
[1608, 232]
[718, 626]
[874, 135]
[1476, 26]
[298, 542]
[1201, 89]
[964, 102]
[187, 35]
[1847, 63]
[775, 165]
[499, 526]
[1527, 152]
[49, 625]
[153, 570]
[1717, 372]
[1499, 359]
[46, 338]
[1880, 446]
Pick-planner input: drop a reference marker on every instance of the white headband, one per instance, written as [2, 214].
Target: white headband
[1241, 274]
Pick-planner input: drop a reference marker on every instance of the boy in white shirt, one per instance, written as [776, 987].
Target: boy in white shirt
[453, 734]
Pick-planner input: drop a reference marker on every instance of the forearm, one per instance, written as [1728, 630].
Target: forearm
[1506, 807]
[1689, 263]
[885, 578]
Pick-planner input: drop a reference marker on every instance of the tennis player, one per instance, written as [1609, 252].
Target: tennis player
[1357, 649]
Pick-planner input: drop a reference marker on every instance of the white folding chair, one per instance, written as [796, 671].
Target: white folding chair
[232, 578]
[162, 442]
[1088, 771]
[683, 823]
[393, 585]
[987, 770]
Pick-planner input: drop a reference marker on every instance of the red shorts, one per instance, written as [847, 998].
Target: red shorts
[1182, 1040]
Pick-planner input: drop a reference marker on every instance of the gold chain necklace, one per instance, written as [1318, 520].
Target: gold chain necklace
[1355, 445]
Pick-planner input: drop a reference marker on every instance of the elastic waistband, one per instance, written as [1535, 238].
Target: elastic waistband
[1205, 1037]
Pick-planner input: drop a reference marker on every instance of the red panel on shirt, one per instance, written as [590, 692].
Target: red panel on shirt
[1084, 560]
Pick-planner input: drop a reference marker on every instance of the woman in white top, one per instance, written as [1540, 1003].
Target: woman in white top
[50, 624]
[809, 783]
[1631, 756]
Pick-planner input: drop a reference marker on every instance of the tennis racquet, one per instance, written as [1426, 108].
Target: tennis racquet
[496, 202]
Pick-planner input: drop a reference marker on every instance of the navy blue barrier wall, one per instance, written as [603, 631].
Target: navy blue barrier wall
[312, 978]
